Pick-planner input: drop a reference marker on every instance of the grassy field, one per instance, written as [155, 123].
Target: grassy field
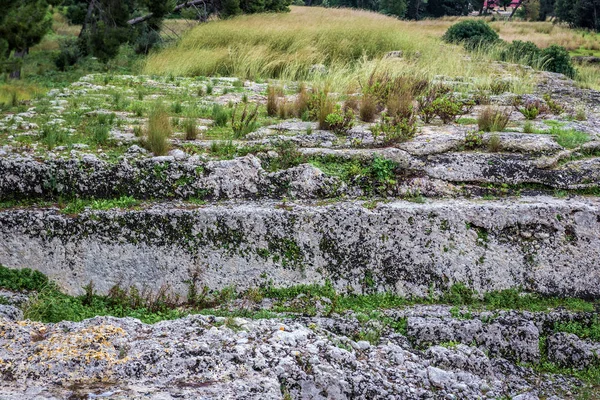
[350, 44]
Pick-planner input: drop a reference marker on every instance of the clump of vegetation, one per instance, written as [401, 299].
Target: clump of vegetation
[219, 115]
[493, 119]
[569, 138]
[553, 106]
[473, 139]
[530, 109]
[447, 108]
[367, 108]
[53, 134]
[191, 130]
[471, 33]
[273, 94]
[321, 105]
[340, 121]
[521, 52]
[494, 143]
[158, 130]
[426, 108]
[245, 123]
[557, 59]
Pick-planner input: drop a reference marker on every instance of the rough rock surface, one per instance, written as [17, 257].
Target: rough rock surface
[159, 177]
[545, 245]
[207, 357]
[568, 350]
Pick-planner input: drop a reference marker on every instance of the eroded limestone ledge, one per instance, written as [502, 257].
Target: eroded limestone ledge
[540, 244]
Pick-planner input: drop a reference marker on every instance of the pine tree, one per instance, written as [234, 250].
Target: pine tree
[23, 24]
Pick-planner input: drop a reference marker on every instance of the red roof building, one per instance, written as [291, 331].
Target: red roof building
[494, 3]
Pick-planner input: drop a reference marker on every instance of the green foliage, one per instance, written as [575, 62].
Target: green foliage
[383, 170]
[569, 138]
[471, 33]
[219, 115]
[245, 123]
[473, 139]
[521, 52]
[339, 121]
[557, 59]
[394, 130]
[69, 53]
[22, 279]
[77, 206]
[447, 108]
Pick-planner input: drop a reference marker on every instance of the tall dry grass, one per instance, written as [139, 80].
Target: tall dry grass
[340, 47]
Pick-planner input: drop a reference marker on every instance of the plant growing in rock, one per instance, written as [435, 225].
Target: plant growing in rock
[393, 130]
[494, 143]
[158, 131]
[339, 121]
[245, 123]
[493, 119]
[447, 108]
[220, 115]
[473, 139]
[272, 100]
[425, 106]
[499, 87]
[190, 128]
[302, 101]
[383, 170]
[554, 107]
[530, 109]
[320, 106]
[367, 108]
[580, 114]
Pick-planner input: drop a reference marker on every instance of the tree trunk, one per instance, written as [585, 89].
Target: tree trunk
[88, 16]
[19, 54]
[515, 10]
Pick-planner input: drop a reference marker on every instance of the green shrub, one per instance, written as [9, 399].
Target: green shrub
[521, 52]
[473, 139]
[340, 121]
[394, 130]
[557, 59]
[494, 143]
[220, 115]
[383, 170]
[448, 108]
[22, 279]
[471, 33]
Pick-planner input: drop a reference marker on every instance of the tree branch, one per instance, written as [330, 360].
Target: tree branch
[177, 8]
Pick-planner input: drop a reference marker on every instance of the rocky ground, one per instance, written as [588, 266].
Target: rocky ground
[290, 204]
[483, 355]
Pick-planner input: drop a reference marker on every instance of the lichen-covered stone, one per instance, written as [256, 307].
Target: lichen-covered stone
[545, 245]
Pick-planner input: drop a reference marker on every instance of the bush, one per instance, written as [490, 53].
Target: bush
[471, 33]
[159, 130]
[69, 53]
[557, 59]
[393, 130]
[340, 121]
[448, 108]
[473, 139]
[220, 116]
[493, 120]
[521, 52]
